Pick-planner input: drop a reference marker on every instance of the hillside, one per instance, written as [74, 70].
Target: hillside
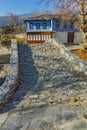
[4, 20]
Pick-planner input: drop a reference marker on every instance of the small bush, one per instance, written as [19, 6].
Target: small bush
[20, 40]
[6, 43]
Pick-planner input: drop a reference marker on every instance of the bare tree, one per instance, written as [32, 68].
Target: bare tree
[76, 7]
[15, 23]
[13, 19]
[82, 20]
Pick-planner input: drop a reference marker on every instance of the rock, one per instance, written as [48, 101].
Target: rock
[3, 118]
[74, 99]
[33, 97]
[42, 96]
[85, 116]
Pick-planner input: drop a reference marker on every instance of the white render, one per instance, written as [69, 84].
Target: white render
[77, 37]
[63, 37]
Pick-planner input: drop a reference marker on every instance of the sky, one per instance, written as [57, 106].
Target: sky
[19, 6]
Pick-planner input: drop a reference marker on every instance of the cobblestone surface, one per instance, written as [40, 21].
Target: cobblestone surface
[49, 97]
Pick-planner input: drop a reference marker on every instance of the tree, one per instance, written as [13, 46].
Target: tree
[15, 24]
[78, 8]
[82, 20]
[14, 20]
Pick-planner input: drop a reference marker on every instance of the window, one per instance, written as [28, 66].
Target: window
[71, 25]
[38, 26]
[57, 24]
[44, 25]
[64, 25]
[50, 23]
[31, 25]
[27, 25]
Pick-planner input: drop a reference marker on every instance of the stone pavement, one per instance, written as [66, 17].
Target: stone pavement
[50, 96]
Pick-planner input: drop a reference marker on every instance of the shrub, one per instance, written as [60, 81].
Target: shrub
[6, 41]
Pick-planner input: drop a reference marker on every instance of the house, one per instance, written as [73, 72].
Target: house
[38, 29]
[43, 27]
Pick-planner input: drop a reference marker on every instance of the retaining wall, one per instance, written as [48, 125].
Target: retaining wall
[9, 86]
[77, 64]
[4, 58]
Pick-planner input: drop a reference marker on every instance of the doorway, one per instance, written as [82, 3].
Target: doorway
[70, 37]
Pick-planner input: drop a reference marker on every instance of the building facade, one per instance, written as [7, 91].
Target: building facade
[41, 28]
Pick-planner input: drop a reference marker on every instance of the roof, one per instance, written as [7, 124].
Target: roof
[43, 17]
[62, 16]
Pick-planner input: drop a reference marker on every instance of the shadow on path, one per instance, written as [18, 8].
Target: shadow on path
[28, 76]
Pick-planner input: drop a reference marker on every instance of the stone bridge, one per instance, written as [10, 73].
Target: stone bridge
[51, 94]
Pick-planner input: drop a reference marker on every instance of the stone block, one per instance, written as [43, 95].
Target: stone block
[8, 87]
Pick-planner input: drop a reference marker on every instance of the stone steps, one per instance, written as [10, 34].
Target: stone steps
[43, 70]
[48, 91]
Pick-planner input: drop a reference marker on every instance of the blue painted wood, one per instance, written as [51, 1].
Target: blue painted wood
[49, 24]
[61, 28]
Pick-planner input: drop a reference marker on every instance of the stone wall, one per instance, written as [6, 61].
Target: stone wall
[77, 64]
[4, 58]
[8, 87]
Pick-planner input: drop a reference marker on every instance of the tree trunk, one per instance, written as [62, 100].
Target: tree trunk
[82, 23]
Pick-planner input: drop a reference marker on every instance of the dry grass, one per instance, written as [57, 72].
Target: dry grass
[20, 40]
[81, 53]
[5, 41]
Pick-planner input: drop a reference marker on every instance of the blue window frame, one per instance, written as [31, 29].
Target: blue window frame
[64, 24]
[31, 25]
[38, 26]
[57, 24]
[71, 24]
[44, 26]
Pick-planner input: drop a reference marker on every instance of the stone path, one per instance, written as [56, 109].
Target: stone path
[49, 96]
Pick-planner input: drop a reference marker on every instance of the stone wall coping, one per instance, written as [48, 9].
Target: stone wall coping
[9, 86]
[77, 64]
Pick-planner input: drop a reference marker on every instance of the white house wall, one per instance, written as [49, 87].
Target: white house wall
[61, 36]
[77, 37]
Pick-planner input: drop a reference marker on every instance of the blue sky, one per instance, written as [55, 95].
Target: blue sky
[19, 6]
